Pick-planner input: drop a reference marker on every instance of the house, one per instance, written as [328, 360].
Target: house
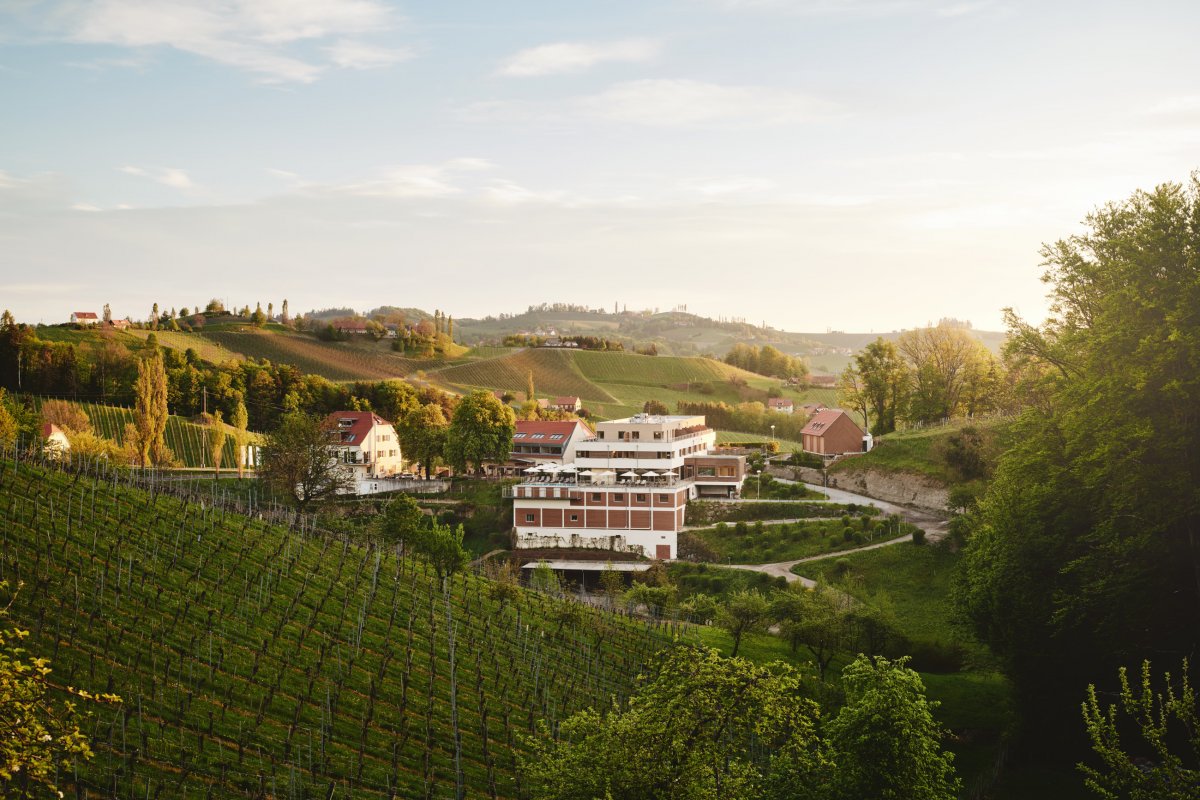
[119, 324]
[568, 403]
[627, 488]
[84, 318]
[56, 443]
[367, 444]
[543, 403]
[542, 441]
[350, 326]
[822, 381]
[811, 408]
[831, 432]
[780, 404]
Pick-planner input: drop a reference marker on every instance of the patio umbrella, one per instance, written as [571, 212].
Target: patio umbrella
[587, 472]
[649, 474]
[532, 469]
[569, 468]
[630, 474]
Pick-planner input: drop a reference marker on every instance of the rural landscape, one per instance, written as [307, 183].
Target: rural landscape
[684, 400]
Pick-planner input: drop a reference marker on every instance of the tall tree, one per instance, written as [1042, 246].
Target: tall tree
[879, 384]
[422, 433]
[746, 611]
[107, 313]
[299, 459]
[150, 410]
[283, 312]
[941, 359]
[240, 421]
[481, 430]
[1085, 552]
[530, 392]
[216, 441]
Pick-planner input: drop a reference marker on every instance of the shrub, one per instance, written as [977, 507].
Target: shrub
[841, 567]
[847, 534]
[918, 536]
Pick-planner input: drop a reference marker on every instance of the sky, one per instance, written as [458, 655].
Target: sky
[858, 165]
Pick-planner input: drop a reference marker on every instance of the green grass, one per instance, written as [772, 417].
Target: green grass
[254, 661]
[554, 374]
[916, 451]
[785, 445]
[782, 542]
[207, 349]
[338, 361]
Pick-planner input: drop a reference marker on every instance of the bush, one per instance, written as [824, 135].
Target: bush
[847, 534]
[918, 536]
[841, 567]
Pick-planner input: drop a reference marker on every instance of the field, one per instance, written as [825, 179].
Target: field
[337, 361]
[554, 373]
[764, 544]
[254, 661]
[187, 440]
[207, 349]
[916, 451]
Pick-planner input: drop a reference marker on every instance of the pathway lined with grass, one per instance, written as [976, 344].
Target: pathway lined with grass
[934, 526]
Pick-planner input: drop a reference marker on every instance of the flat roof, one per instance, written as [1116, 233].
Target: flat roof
[592, 566]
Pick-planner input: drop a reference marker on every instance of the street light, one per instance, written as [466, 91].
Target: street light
[758, 480]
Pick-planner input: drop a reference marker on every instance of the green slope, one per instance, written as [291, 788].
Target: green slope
[258, 662]
[337, 361]
[554, 373]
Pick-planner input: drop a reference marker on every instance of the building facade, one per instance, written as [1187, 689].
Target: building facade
[367, 444]
[831, 432]
[627, 488]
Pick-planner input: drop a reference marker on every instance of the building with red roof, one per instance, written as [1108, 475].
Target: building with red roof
[781, 404]
[56, 443]
[568, 403]
[831, 432]
[84, 318]
[367, 444]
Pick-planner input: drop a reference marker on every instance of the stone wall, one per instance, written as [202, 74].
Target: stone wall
[902, 488]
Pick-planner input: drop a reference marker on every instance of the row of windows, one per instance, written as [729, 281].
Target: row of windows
[598, 497]
[553, 436]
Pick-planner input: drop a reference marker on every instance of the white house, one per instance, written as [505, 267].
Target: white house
[781, 404]
[56, 445]
[367, 444]
[84, 318]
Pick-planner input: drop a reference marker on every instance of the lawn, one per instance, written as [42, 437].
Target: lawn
[762, 544]
[917, 450]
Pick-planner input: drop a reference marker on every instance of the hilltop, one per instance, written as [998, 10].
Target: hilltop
[256, 661]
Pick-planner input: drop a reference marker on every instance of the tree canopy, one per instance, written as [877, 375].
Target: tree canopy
[299, 458]
[481, 430]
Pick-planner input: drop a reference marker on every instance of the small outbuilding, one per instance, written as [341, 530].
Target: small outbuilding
[831, 432]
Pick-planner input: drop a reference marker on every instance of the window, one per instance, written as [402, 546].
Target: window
[658, 434]
[620, 498]
[726, 472]
[601, 434]
[641, 498]
[529, 517]
[710, 472]
[538, 436]
[556, 436]
[574, 518]
[597, 497]
[664, 498]
[518, 436]
[621, 435]
[635, 435]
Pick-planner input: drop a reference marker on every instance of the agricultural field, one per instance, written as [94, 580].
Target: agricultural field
[256, 661]
[187, 440]
[554, 373]
[337, 361]
[207, 349]
[758, 543]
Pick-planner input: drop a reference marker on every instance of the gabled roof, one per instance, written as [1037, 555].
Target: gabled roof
[49, 429]
[564, 428]
[566, 400]
[823, 420]
[85, 315]
[779, 402]
[353, 426]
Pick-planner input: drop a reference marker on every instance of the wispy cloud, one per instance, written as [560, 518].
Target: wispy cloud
[167, 176]
[563, 57]
[670, 103]
[254, 35]
[417, 180]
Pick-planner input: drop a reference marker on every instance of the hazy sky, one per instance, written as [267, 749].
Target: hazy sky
[861, 165]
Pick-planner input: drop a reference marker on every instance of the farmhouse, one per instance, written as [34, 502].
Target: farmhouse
[84, 318]
[627, 488]
[350, 326]
[568, 403]
[780, 404]
[366, 443]
[831, 432]
[121, 324]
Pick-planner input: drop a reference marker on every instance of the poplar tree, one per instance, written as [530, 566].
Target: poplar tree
[150, 410]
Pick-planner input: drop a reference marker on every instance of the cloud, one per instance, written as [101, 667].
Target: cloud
[669, 103]
[168, 176]
[417, 180]
[1182, 104]
[354, 54]
[253, 35]
[563, 57]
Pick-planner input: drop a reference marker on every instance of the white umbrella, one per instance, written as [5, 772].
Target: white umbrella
[532, 469]
[587, 472]
[569, 468]
[630, 474]
[649, 474]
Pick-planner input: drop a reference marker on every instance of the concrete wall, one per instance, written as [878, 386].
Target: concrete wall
[902, 488]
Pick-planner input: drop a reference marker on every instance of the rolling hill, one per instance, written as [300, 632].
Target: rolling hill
[256, 661]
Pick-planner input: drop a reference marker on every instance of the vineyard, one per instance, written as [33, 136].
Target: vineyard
[187, 440]
[256, 661]
[337, 361]
[554, 373]
[207, 349]
[609, 367]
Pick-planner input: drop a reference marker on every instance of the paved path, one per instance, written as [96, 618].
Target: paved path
[935, 528]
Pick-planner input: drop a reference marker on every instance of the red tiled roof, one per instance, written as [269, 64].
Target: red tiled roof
[823, 419]
[49, 429]
[566, 400]
[85, 315]
[548, 427]
[360, 425]
[779, 402]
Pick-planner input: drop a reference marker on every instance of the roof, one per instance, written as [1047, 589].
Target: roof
[592, 566]
[821, 421]
[85, 315]
[779, 402]
[566, 400]
[360, 424]
[565, 428]
[351, 325]
[49, 429]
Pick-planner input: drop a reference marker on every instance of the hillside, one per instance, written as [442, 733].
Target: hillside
[255, 661]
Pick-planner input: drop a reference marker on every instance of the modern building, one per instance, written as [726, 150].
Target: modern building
[831, 432]
[627, 488]
[367, 444]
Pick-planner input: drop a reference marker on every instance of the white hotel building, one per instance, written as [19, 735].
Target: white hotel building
[628, 487]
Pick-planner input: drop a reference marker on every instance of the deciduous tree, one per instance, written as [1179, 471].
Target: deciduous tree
[150, 410]
[299, 459]
[481, 430]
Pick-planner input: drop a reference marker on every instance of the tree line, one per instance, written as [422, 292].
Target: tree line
[766, 360]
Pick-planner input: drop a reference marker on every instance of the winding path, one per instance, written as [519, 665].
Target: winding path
[934, 525]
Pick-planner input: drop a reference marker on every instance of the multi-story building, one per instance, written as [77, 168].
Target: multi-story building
[627, 488]
[367, 444]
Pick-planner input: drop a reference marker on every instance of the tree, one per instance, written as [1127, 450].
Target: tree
[941, 360]
[877, 385]
[818, 618]
[107, 313]
[442, 545]
[530, 394]
[42, 736]
[216, 441]
[481, 430]
[259, 318]
[10, 429]
[746, 611]
[283, 312]
[66, 415]
[422, 433]
[401, 521]
[699, 727]
[300, 459]
[154, 317]
[150, 410]
[1160, 718]
[1084, 553]
[655, 407]
[885, 740]
[240, 420]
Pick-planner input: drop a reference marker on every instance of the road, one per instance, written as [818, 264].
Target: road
[935, 529]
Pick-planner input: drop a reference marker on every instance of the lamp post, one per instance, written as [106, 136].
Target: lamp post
[758, 482]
